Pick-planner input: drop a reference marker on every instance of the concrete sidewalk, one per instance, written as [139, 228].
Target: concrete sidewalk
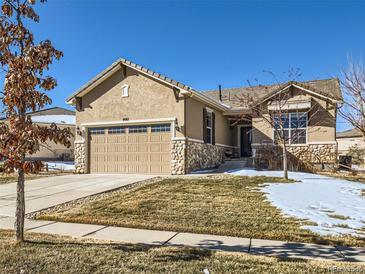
[212, 242]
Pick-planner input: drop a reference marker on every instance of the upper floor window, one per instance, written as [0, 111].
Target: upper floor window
[125, 91]
[291, 127]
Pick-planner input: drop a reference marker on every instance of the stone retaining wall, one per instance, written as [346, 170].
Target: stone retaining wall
[200, 155]
[80, 157]
[305, 157]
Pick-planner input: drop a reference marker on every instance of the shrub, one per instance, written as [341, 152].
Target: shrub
[358, 154]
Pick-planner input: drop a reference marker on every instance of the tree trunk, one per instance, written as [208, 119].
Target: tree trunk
[285, 162]
[20, 208]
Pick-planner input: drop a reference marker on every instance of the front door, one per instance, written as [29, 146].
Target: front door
[245, 141]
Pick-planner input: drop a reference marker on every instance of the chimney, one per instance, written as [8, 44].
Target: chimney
[220, 92]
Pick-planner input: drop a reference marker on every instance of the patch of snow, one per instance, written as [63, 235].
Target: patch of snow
[358, 168]
[315, 198]
[58, 119]
[60, 165]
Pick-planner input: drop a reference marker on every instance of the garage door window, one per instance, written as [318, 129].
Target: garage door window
[97, 131]
[116, 130]
[137, 129]
[161, 128]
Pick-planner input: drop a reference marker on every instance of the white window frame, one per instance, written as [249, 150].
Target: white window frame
[125, 91]
[290, 129]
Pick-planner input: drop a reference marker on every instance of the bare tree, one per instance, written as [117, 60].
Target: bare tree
[353, 88]
[288, 123]
[24, 64]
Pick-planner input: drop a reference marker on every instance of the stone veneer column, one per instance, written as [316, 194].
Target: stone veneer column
[80, 157]
[178, 148]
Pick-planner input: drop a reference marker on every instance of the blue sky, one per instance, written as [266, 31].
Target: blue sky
[202, 44]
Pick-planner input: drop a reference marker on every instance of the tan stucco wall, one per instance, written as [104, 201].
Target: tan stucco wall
[194, 126]
[345, 143]
[321, 128]
[148, 99]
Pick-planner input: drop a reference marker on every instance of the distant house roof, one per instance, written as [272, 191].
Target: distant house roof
[327, 87]
[55, 115]
[351, 133]
[52, 111]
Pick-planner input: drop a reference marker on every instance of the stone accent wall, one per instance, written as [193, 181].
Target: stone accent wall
[178, 148]
[80, 157]
[200, 156]
[304, 158]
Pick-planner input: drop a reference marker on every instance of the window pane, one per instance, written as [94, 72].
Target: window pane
[209, 119]
[209, 135]
[161, 128]
[137, 129]
[116, 130]
[302, 120]
[281, 135]
[284, 121]
[96, 131]
[299, 136]
[298, 120]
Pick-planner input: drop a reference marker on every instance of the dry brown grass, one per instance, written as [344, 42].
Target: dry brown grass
[230, 205]
[359, 177]
[44, 253]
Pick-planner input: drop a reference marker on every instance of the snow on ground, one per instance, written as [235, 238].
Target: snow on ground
[58, 119]
[316, 198]
[60, 165]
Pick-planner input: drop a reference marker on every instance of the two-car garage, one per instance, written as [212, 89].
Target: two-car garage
[130, 149]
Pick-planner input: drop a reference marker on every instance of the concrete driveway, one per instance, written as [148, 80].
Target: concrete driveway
[47, 192]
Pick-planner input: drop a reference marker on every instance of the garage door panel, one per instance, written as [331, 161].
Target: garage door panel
[143, 147]
[165, 148]
[136, 152]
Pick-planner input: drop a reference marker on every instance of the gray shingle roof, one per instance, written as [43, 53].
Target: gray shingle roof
[327, 87]
[351, 133]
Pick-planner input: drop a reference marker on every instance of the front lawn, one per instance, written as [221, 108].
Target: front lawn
[228, 205]
[44, 253]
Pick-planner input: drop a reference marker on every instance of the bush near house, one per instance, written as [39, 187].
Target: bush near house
[358, 155]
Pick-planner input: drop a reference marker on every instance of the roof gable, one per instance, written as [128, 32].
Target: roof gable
[184, 89]
[327, 88]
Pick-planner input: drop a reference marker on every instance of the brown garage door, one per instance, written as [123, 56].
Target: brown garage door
[133, 149]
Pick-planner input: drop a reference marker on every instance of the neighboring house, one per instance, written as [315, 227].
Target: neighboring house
[349, 138]
[62, 118]
[130, 119]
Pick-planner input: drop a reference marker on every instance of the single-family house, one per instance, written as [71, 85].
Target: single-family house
[63, 118]
[130, 119]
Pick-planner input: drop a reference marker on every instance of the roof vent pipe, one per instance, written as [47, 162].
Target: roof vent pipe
[220, 92]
